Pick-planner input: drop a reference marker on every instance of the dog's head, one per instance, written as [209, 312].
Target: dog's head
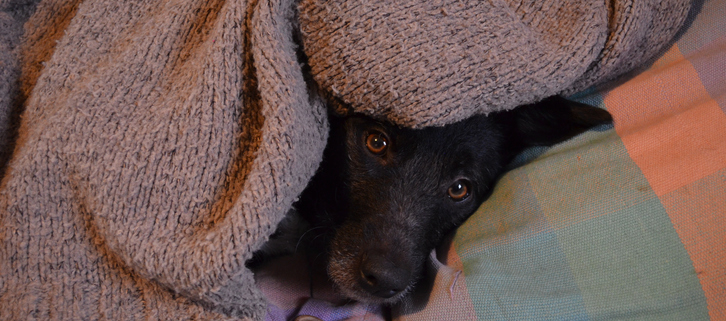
[386, 195]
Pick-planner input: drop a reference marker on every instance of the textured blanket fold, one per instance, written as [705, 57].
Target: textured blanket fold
[160, 145]
[162, 141]
[422, 63]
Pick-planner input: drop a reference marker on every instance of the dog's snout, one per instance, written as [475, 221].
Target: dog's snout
[382, 277]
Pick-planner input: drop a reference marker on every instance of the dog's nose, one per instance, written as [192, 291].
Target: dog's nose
[382, 277]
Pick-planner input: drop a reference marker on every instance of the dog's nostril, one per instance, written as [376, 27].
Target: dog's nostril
[369, 278]
[386, 293]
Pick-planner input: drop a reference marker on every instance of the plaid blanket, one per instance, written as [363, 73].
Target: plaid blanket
[618, 223]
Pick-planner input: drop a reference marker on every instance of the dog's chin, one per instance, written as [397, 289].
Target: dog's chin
[362, 296]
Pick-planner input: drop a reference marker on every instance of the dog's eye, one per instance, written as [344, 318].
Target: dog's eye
[377, 143]
[459, 191]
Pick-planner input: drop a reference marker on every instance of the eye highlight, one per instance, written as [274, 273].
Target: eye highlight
[377, 143]
[459, 191]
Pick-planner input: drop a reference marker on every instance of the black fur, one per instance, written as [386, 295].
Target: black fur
[377, 216]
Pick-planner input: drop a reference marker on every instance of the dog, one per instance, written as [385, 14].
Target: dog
[386, 196]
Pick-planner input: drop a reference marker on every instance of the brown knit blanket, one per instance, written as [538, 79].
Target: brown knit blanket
[160, 142]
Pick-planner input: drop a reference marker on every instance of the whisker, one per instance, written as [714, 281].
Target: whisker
[299, 240]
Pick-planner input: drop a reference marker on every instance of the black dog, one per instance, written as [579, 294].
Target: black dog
[385, 196]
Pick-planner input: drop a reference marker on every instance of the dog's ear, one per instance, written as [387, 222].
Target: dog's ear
[553, 120]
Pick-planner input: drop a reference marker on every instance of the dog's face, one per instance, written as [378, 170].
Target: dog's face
[406, 189]
[386, 196]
